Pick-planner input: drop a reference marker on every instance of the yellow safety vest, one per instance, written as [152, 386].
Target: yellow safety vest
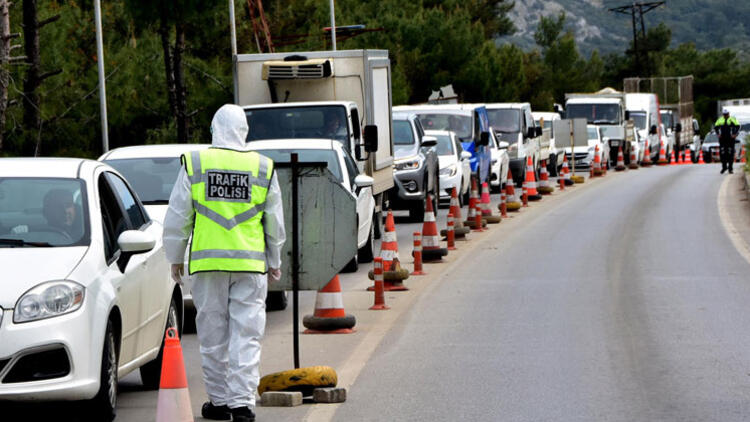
[229, 191]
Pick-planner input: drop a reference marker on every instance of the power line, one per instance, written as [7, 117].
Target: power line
[636, 10]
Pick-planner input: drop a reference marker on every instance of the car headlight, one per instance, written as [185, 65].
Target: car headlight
[408, 164]
[449, 171]
[49, 299]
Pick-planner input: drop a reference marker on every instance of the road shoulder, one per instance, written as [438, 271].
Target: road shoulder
[734, 210]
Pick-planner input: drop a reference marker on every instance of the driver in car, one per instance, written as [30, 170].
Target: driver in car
[59, 211]
[334, 127]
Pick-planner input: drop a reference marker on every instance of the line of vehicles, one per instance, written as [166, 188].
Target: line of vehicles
[89, 293]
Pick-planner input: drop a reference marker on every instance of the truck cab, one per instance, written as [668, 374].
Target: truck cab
[514, 124]
[644, 111]
[606, 109]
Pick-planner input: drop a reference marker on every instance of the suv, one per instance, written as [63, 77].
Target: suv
[415, 166]
[514, 124]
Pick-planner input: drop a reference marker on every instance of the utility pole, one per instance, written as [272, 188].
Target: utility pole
[636, 10]
[102, 77]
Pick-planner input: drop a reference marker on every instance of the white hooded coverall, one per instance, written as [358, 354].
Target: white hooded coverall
[230, 306]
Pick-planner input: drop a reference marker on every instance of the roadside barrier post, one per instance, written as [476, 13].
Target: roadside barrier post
[417, 253]
[379, 286]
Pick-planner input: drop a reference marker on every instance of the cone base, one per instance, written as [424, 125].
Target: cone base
[535, 197]
[391, 276]
[457, 231]
[418, 273]
[620, 168]
[569, 182]
[493, 219]
[430, 255]
[513, 206]
[324, 324]
[337, 331]
[472, 224]
[662, 162]
[633, 166]
[598, 172]
[577, 179]
[546, 190]
[379, 308]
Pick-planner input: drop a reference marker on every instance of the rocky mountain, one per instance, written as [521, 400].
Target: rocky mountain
[707, 23]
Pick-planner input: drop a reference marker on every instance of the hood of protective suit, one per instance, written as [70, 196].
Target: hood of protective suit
[229, 128]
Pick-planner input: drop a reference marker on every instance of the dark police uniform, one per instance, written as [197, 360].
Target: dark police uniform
[727, 129]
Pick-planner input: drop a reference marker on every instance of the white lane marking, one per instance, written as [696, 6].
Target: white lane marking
[739, 243]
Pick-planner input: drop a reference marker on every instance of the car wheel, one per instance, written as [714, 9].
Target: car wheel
[436, 195]
[552, 166]
[377, 223]
[276, 300]
[102, 406]
[466, 196]
[366, 253]
[352, 266]
[416, 210]
[151, 372]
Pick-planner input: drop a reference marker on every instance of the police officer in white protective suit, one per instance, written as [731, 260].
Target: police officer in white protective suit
[228, 199]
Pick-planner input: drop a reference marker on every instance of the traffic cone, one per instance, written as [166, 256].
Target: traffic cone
[596, 168]
[530, 183]
[379, 286]
[646, 162]
[486, 206]
[674, 162]
[662, 155]
[417, 254]
[502, 206]
[743, 155]
[431, 250]
[700, 157]
[471, 220]
[687, 156]
[389, 245]
[512, 203]
[633, 160]
[459, 229]
[450, 236]
[393, 279]
[329, 316]
[479, 221]
[566, 172]
[544, 186]
[173, 403]
[620, 160]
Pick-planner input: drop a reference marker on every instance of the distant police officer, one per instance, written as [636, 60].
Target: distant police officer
[727, 128]
[228, 199]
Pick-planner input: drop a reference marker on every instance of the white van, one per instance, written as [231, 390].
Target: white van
[644, 111]
[544, 120]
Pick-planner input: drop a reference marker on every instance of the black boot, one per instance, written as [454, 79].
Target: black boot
[242, 414]
[215, 413]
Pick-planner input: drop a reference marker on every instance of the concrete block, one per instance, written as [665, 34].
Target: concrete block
[329, 395]
[281, 399]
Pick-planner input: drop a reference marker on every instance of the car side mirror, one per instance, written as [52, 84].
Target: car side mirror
[136, 241]
[428, 141]
[371, 138]
[465, 155]
[363, 181]
[484, 139]
[678, 127]
[652, 130]
[503, 145]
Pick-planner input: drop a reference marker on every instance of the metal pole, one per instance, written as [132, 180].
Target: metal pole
[295, 258]
[232, 30]
[572, 146]
[102, 84]
[333, 26]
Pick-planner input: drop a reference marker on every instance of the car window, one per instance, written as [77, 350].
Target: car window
[328, 156]
[458, 147]
[328, 121]
[113, 219]
[504, 119]
[152, 178]
[40, 210]
[351, 167]
[402, 133]
[593, 133]
[135, 213]
[444, 145]
[460, 124]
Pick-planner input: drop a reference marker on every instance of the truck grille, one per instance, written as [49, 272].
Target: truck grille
[309, 69]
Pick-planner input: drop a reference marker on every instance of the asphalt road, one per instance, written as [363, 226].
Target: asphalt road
[626, 302]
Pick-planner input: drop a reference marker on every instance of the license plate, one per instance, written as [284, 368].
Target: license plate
[614, 143]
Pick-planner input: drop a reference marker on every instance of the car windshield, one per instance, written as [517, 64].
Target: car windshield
[711, 137]
[505, 120]
[43, 212]
[593, 133]
[444, 145]
[666, 118]
[402, 133]
[328, 156]
[595, 113]
[328, 122]
[152, 178]
[444, 121]
[639, 119]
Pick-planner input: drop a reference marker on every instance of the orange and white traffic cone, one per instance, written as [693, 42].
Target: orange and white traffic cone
[662, 155]
[460, 231]
[687, 156]
[471, 220]
[530, 183]
[379, 286]
[173, 403]
[450, 236]
[512, 203]
[479, 221]
[389, 245]
[545, 188]
[329, 316]
[620, 160]
[633, 160]
[700, 157]
[486, 206]
[431, 249]
[596, 168]
[566, 172]
[502, 206]
[646, 162]
[674, 162]
[417, 254]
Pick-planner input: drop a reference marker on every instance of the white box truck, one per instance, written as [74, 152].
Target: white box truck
[343, 95]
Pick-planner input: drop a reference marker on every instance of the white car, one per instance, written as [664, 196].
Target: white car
[584, 155]
[86, 293]
[500, 162]
[555, 158]
[455, 166]
[152, 171]
[344, 169]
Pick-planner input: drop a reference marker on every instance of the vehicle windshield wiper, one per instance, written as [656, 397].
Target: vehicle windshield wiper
[21, 242]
